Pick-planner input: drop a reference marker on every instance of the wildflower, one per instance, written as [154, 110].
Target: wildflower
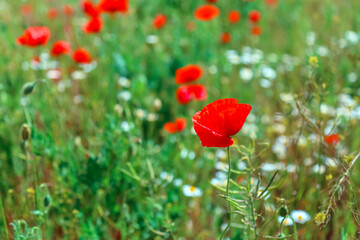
[30, 191]
[94, 25]
[300, 216]
[89, 8]
[52, 13]
[313, 61]
[68, 10]
[246, 74]
[81, 55]
[26, 10]
[206, 12]
[332, 139]
[225, 37]
[348, 159]
[234, 16]
[152, 39]
[187, 93]
[191, 191]
[271, 3]
[34, 36]
[175, 127]
[320, 218]
[166, 176]
[329, 177]
[60, 48]
[254, 16]
[113, 6]
[256, 31]
[219, 120]
[188, 73]
[159, 21]
[286, 222]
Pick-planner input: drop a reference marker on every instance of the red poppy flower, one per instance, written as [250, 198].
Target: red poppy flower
[175, 127]
[34, 36]
[206, 12]
[234, 16]
[89, 8]
[271, 3]
[81, 56]
[68, 10]
[159, 21]
[188, 73]
[187, 93]
[219, 120]
[332, 140]
[112, 6]
[26, 9]
[52, 13]
[225, 37]
[59, 48]
[190, 26]
[256, 31]
[211, 1]
[254, 16]
[94, 25]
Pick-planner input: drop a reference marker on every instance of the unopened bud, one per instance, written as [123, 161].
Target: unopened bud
[25, 132]
[28, 88]
[283, 211]
[47, 201]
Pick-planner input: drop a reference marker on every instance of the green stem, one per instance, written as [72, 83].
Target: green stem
[4, 219]
[227, 194]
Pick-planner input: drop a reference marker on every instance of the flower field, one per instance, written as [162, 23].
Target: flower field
[170, 119]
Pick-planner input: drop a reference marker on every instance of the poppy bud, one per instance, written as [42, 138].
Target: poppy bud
[47, 201]
[283, 211]
[28, 88]
[25, 132]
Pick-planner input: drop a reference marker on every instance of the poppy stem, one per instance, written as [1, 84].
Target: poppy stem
[227, 193]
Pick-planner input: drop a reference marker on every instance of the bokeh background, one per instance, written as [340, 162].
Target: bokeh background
[99, 164]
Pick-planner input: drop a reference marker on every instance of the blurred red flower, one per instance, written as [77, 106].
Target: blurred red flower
[26, 9]
[271, 3]
[68, 10]
[188, 73]
[234, 16]
[206, 12]
[159, 21]
[60, 48]
[254, 16]
[175, 127]
[187, 93]
[81, 56]
[94, 25]
[256, 31]
[112, 6]
[219, 120]
[89, 8]
[225, 37]
[332, 139]
[34, 36]
[52, 13]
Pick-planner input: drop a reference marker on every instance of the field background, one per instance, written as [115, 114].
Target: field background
[98, 158]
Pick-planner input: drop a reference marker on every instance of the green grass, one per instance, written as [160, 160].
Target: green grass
[99, 180]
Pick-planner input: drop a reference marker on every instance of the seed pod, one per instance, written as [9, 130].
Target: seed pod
[25, 132]
[28, 88]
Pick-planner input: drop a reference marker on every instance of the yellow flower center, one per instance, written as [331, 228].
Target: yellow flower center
[192, 189]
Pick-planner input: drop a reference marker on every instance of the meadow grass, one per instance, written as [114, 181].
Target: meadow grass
[97, 163]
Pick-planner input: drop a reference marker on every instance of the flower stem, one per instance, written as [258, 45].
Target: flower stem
[227, 193]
